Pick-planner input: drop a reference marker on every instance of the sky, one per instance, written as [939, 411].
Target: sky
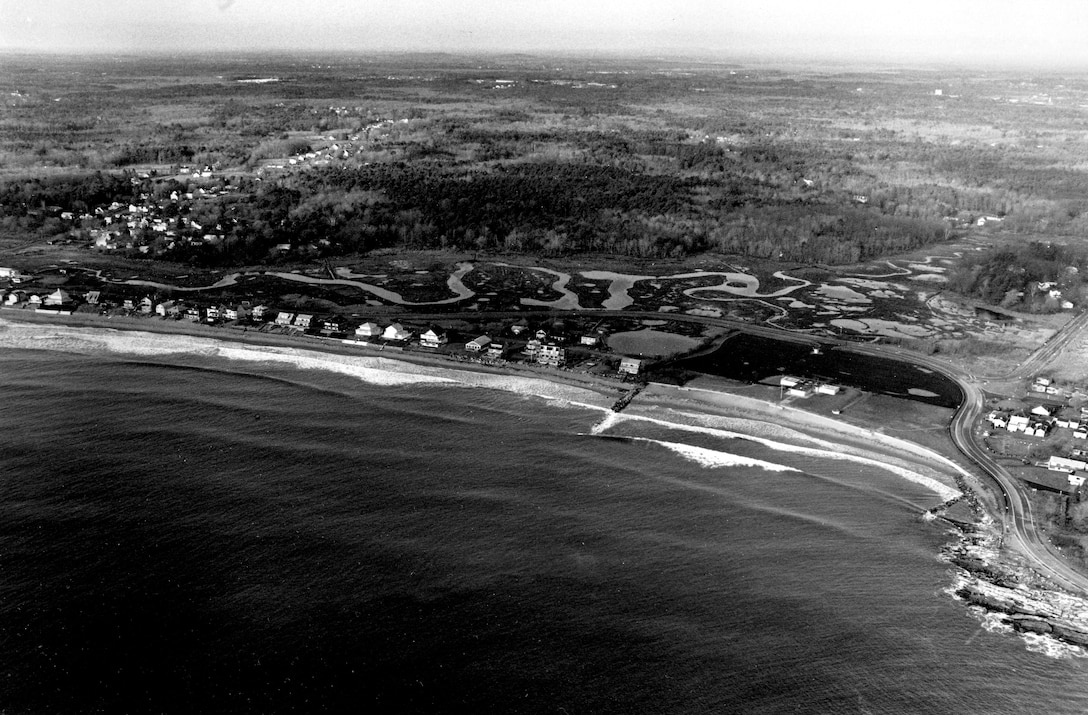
[989, 33]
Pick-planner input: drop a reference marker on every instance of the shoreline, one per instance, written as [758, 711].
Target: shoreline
[152, 336]
[986, 578]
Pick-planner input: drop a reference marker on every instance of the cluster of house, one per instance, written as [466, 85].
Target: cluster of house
[136, 225]
[58, 301]
[541, 347]
[1040, 419]
[337, 150]
[804, 387]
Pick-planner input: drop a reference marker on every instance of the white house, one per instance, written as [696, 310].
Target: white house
[478, 344]
[631, 366]
[495, 351]
[433, 338]
[303, 321]
[551, 355]
[284, 318]
[1018, 423]
[1065, 464]
[396, 332]
[58, 297]
[368, 330]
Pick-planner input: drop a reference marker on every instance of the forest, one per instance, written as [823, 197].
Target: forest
[1034, 277]
[643, 159]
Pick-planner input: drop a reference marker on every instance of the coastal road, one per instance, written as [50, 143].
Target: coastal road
[1020, 531]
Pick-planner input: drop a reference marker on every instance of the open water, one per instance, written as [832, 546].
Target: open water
[195, 535]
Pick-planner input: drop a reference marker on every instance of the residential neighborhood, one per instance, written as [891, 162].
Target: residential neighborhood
[542, 343]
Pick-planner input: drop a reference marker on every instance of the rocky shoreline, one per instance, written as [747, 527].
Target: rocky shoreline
[1004, 584]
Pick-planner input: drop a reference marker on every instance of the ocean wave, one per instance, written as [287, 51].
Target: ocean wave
[708, 458]
[828, 450]
[370, 375]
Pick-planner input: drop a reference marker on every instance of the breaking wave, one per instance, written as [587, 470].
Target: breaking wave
[707, 458]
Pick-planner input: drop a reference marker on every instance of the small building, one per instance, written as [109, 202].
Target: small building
[58, 298]
[1018, 423]
[397, 333]
[495, 351]
[332, 324]
[92, 297]
[285, 318]
[478, 345]
[211, 313]
[790, 381]
[303, 321]
[1065, 464]
[1041, 411]
[1076, 480]
[258, 312]
[165, 308]
[630, 366]
[433, 338]
[368, 330]
[532, 348]
[551, 355]
[827, 389]
[589, 340]
[192, 315]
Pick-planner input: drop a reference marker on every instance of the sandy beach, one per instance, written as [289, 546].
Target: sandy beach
[722, 414]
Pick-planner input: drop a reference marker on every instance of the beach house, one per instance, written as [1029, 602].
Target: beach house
[368, 330]
[433, 338]
[551, 355]
[630, 366]
[478, 345]
[397, 333]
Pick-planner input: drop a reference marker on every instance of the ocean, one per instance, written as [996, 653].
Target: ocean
[194, 534]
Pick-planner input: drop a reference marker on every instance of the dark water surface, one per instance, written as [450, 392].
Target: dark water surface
[209, 539]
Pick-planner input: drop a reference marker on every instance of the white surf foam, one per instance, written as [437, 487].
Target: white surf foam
[712, 458]
[828, 450]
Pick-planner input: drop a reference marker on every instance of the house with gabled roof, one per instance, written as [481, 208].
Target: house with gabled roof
[631, 366]
[478, 345]
[397, 333]
[368, 330]
[433, 338]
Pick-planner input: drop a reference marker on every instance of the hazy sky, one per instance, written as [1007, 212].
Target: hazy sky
[989, 32]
